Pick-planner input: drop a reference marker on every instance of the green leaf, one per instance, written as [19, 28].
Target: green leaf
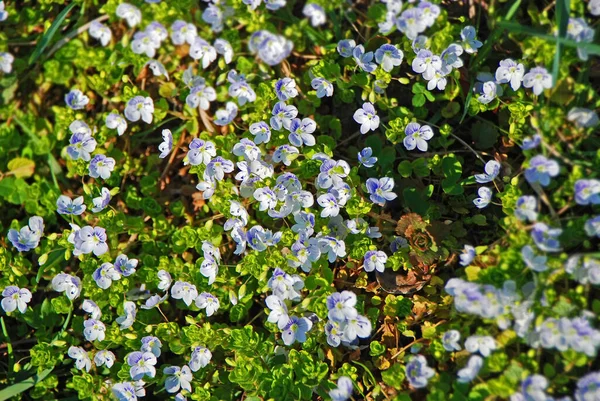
[21, 167]
[13, 391]
[45, 40]
[405, 168]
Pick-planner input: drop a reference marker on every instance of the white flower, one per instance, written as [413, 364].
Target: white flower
[140, 107]
[130, 13]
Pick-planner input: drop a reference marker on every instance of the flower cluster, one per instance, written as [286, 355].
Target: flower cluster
[345, 325]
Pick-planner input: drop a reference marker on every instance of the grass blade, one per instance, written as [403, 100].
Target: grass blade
[16, 389]
[45, 40]
[562, 20]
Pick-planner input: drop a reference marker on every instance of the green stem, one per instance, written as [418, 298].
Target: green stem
[9, 348]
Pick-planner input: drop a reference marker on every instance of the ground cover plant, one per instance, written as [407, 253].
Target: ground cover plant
[287, 200]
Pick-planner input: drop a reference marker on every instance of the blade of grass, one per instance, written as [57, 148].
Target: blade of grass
[592, 48]
[45, 40]
[562, 20]
[12, 391]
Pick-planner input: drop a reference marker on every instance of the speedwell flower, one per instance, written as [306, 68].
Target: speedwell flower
[374, 260]
[15, 298]
[90, 239]
[76, 100]
[185, 291]
[101, 202]
[381, 190]
[539, 79]
[541, 169]
[417, 372]
[141, 364]
[367, 118]
[417, 136]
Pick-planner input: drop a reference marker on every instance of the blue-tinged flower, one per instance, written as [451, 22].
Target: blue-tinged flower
[315, 13]
[124, 391]
[271, 48]
[105, 275]
[126, 320]
[535, 262]
[139, 107]
[130, 13]
[248, 149]
[429, 12]
[183, 32]
[90, 239]
[209, 269]
[115, 121]
[332, 173]
[101, 166]
[283, 115]
[275, 4]
[66, 205]
[510, 72]
[417, 372]
[144, 43]
[439, 80]
[588, 387]
[213, 15]
[90, 307]
[539, 79]
[261, 132]
[201, 96]
[125, 266]
[285, 89]
[366, 158]
[381, 190]
[341, 306]
[367, 118]
[451, 57]
[388, 56]
[252, 3]
[153, 301]
[450, 340]
[417, 136]
[167, 144]
[470, 372]
[526, 208]
[486, 89]
[322, 86]
[356, 327]
[285, 286]
[533, 388]
[208, 302]
[484, 199]
[200, 49]
[239, 88]
[342, 193]
[184, 291]
[157, 32]
[470, 43]
[344, 389]
[531, 142]
[304, 253]
[546, 238]
[467, 255]
[301, 130]
[226, 115]
[398, 243]
[70, 285]
[285, 154]
[278, 312]
[587, 192]
[482, 344]
[82, 360]
[81, 143]
[364, 60]
[201, 152]
[393, 6]
[15, 298]
[3, 12]
[389, 23]
[200, 358]
[207, 187]
[223, 47]
[329, 204]
[333, 247]
[6, 61]
[411, 22]
[151, 344]
[426, 63]
[178, 378]
[100, 32]
[345, 47]
[94, 330]
[101, 202]
[104, 358]
[218, 167]
[334, 333]
[296, 330]
[492, 169]
[584, 118]
[76, 100]
[592, 227]
[374, 260]
[164, 280]
[142, 364]
[305, 223]
[28, 237]
[266, 197]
